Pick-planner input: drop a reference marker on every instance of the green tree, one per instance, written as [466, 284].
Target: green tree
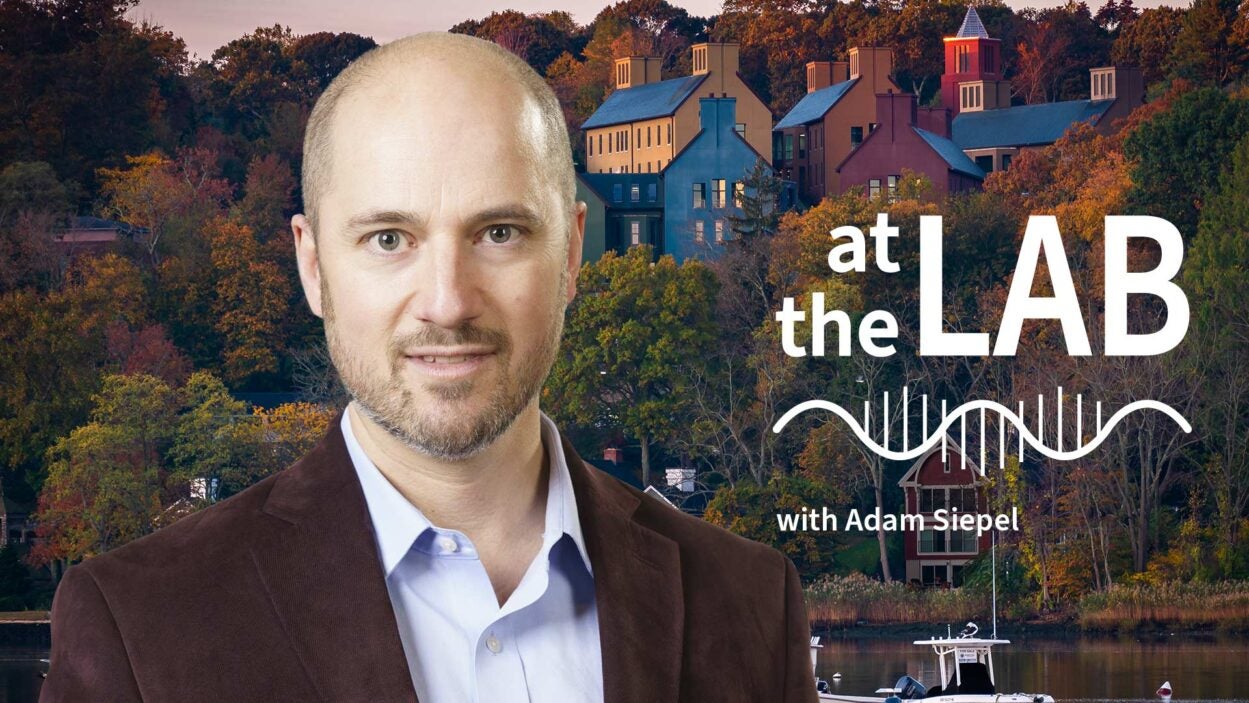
[750, 510]
[1208, 48]
[1180, 153]
[1218, 284]
[633, 334]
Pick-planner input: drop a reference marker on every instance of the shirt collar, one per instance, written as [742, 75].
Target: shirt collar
[397, 523]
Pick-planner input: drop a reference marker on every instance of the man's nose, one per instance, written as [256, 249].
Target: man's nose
[447, 283]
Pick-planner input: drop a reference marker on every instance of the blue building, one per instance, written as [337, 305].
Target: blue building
[703, 183]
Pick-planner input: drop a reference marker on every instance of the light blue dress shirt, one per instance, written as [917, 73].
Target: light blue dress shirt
[541, 645]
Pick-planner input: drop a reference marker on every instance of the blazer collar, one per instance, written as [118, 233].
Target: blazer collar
[319, 563]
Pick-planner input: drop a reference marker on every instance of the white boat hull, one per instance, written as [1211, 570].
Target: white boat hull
[953, 698]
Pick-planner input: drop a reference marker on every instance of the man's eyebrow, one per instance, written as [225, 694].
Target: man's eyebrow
[373, 218]
[515, 212]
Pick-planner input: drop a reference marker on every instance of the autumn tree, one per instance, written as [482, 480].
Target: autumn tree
[167, 198]
[1148, 42]
[250, 304]
[633, 335]
[105, 478]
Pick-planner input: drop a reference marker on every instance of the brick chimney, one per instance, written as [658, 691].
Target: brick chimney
[822, 74]
[633, 71]
[873, 64]
[894, 112]
[1117, 82]
[710, 57]
[934, 119]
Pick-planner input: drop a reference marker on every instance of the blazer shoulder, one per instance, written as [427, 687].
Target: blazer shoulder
[700, 540]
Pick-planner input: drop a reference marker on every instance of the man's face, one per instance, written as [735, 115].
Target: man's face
[442, 261]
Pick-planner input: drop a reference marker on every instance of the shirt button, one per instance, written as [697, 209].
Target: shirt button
[447, 544]
[493, 644]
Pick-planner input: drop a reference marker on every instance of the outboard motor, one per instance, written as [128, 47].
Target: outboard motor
[910, 689]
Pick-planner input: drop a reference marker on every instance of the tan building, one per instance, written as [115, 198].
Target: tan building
[836, 115]
[646, 121]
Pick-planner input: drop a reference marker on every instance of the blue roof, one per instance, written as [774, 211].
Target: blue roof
[813, 105]
[1023, 125]
[644, 102]
[949, 151]
[972, 26]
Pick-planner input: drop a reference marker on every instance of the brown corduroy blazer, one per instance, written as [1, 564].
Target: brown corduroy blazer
[277, 594]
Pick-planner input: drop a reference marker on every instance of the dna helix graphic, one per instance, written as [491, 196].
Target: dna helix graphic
[1025, 436]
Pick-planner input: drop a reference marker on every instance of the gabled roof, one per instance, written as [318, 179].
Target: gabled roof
[911, 477]
[644, 102]
[951, 154]
[972, 26]
[814, 105]
[1025, 125]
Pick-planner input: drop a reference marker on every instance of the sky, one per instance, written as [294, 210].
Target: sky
[205, 26]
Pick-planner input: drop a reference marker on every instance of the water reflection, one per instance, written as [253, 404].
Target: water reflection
[1081, 668]
[19, 674]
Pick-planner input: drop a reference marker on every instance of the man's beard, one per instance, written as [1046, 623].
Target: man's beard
[392, 405]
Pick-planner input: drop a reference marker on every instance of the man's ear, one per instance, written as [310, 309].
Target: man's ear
[306, 259]
[576, 240]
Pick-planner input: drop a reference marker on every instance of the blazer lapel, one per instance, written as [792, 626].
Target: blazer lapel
[638, 591]
[318, 561]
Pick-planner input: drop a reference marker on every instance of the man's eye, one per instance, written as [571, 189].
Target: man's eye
[388, 240]
[501, 234]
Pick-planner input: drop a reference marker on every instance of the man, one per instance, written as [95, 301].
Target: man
[443, 541]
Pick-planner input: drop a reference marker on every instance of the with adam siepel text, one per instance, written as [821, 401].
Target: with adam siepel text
[825, 520]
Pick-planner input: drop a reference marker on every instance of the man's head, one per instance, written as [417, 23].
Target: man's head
[441, 237]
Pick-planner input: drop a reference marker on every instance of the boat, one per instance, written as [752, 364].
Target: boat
[964, 663]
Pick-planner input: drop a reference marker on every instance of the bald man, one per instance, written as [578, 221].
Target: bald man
[443, 542]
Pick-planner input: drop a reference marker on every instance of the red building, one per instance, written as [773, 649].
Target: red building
[912, 138]
[942, 481]
[973, 69]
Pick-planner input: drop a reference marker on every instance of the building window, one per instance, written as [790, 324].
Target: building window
[802, 145]
[669, 132]
[635, 232]
[740, 128]
[700, 195]
[739, 193]
[964, 58]
[698, 231]
[648, 136]
[719, 230]
[590, 145]
[964, 499]
[717, 192]
[617, 192]
[1005, 161]
[891, 188]
[651, 189]
[985, 163]
[931, 542]
[962, 541]
[873, 189]
[856, 136]
[626, 139]
[931, 499]
[635, 193]
[639, 137]
[789, 147]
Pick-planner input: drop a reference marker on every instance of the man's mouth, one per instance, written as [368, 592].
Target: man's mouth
[448, 359]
